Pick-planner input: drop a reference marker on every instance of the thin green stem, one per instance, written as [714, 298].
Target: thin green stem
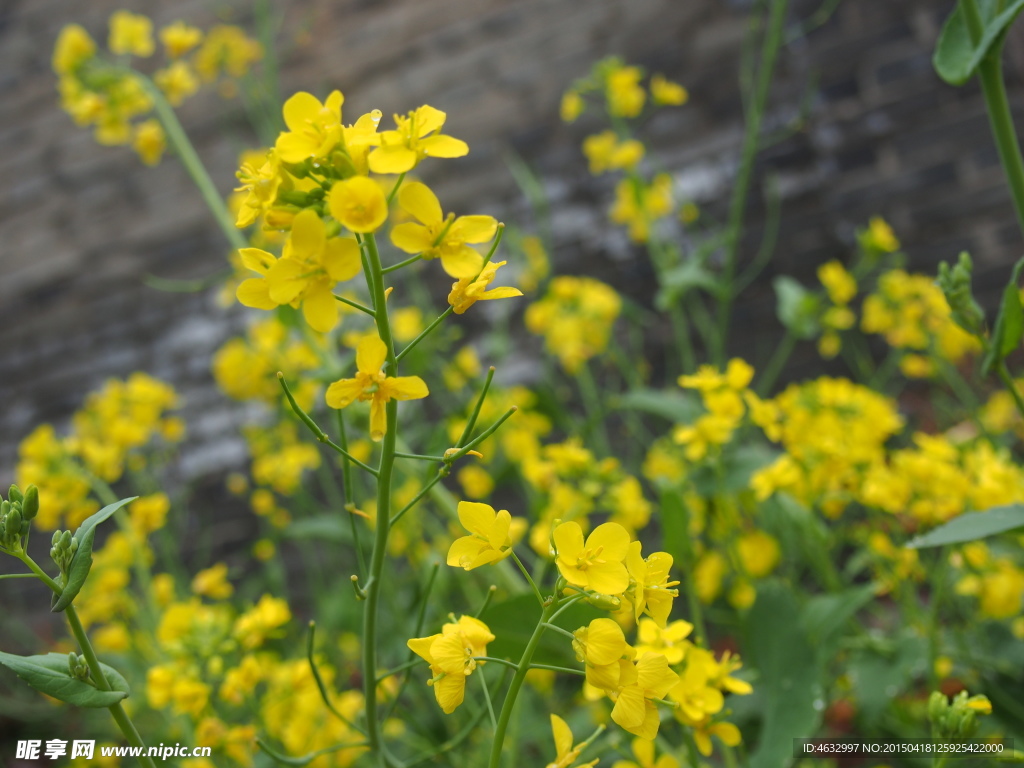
[400, 668]
[426, 332]
[178, 139]
[394, 189]
[934, 618]
[318, 679]
[516, 685]
[417, 456]
[371, 607]
[415, 499]
[346, 479]
[526, 575]
[354, 304]
[751, 140]
[564, 670]
[471, 422]
[487, 698]
[405, 263]
[559, 630]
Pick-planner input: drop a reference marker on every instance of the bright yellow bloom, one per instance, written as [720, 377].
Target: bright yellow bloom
[73, 47]
[468, 290]
[759, 552]
[131, 34]
[226, 49]
[476, 481]
[565, 752]
[575, 317]
[358, 204]
[416, 136]
[572, 106]
[149, 513]
[179, 38]
[314, 128]
[489, 539]
[879, 236]
[650, 678]
[670, 641]
[264, 620]
[261, 179]
[305, 274]
[651, 591]
[451, 656]
[150, 141]
[439, 237]
[664, 91]
[601, 645]
[213, 582]
[177, 81]
[623, 91]
[728, 733]
[606, 153]
[371, 383]
[596, 565]
[643, 751]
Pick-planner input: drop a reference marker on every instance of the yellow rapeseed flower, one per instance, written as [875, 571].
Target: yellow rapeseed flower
[565, 752]
[73, 47]
[179, 38]
[489, 539]
[416, 136]
[131, 34]
[451, 656]
[467, 291]
[664, 91]
[597, 564]
[358, 204]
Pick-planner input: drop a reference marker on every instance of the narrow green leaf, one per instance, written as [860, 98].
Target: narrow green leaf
[331, 527]
[972, 526]
[78, 571]
[780, 650]
[1009, 328]
[956, 58]
[48, 673]
[823, 616]
[796, 307]
[675, 282]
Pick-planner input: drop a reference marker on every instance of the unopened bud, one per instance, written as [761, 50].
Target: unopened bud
[15, 493]
[30, 503]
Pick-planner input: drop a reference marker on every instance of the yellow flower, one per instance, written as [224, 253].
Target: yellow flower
[651, 591]
[606, 153]
[476, 482]
[305, 274]
[226, 49]
[415, 136]
[261, 179]
[314, 128]
[728, 733]
[664, 91]
[149, 141]
[565, 752]
[601, 645]
[73, 47]
[879, 236]
[177, 81]
[840, 284]
[359, 204]
[149, 513]
[572, 106]
[179, 38]
[468, 290]
[650, 678]
[596, 565]
[759, 552]
[638, 205]
[439, 237]
[261, 622]
[213, 583]
[624, 93]
[130, 34]
[643, 751]
[488, 541]
[669, 641]
[451, 656]
[371, 383]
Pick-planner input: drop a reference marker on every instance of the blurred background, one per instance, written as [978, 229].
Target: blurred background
[863, 127]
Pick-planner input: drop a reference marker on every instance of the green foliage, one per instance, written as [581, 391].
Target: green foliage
[1009, 328]
[48, 673]
[956, 56]
[972, 526]
[796, 307]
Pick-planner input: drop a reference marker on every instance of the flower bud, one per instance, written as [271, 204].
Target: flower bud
[30, 503]
[15, 494]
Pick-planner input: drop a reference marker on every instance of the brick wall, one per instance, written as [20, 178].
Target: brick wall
[80, 225]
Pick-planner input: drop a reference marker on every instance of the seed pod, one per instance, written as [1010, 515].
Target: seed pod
[30, 503]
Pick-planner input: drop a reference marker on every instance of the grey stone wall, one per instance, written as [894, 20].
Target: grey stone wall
[81, 225]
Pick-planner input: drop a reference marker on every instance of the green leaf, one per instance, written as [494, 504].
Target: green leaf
[81, 563]
[796, 307]
[777, 646]
[972, 526]
[513, 622]
[956, 58]
[675, 282]
[675, 405]
[331, 527]
[824, 616]
[1009, 329]
[49, 674]
[675, 520]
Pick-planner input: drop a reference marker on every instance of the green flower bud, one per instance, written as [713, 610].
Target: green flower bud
[65, 539]
[955, 283]
[30, 503]
[55, 539]
[604, 602]
[5, 508]
[14, 494]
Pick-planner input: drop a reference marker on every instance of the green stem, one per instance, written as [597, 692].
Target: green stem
[124, 723]
[380, 541]
[774, 367]
[517, 683]
[934, 625]
[178, 139]
[595, 408]
[426, 332]
[346, 479]
[405, 263]
[354, 304]
[751, 141]
[990, 73]
[529, 579]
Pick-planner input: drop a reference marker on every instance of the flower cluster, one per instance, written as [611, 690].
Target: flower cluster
[575, 318]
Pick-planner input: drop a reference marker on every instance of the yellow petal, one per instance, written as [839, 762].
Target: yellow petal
[464, 551]
[412, 238]
[320, 309]
[359, 204]
[334, 102]
[405, 388]
[449, 653]
[444, 146]
[419, 201]
[464, 262]
[378, 418]
[449, 691]
[428, 120]
[307, 237]
[342, 392]
[568, 541]
[300, 109]
[614, 540]
[503, 292]
[421, 647]
[285, 280]
[498, 537]
[255, 259]
[563, 736]
[294, 147]
[391, 159]
[606, 643]
[476, 517]
[254, 293]
[371, 354]
[629, 708]
[473, 229]
[654, 675]
[608, 579]
[341, 258]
